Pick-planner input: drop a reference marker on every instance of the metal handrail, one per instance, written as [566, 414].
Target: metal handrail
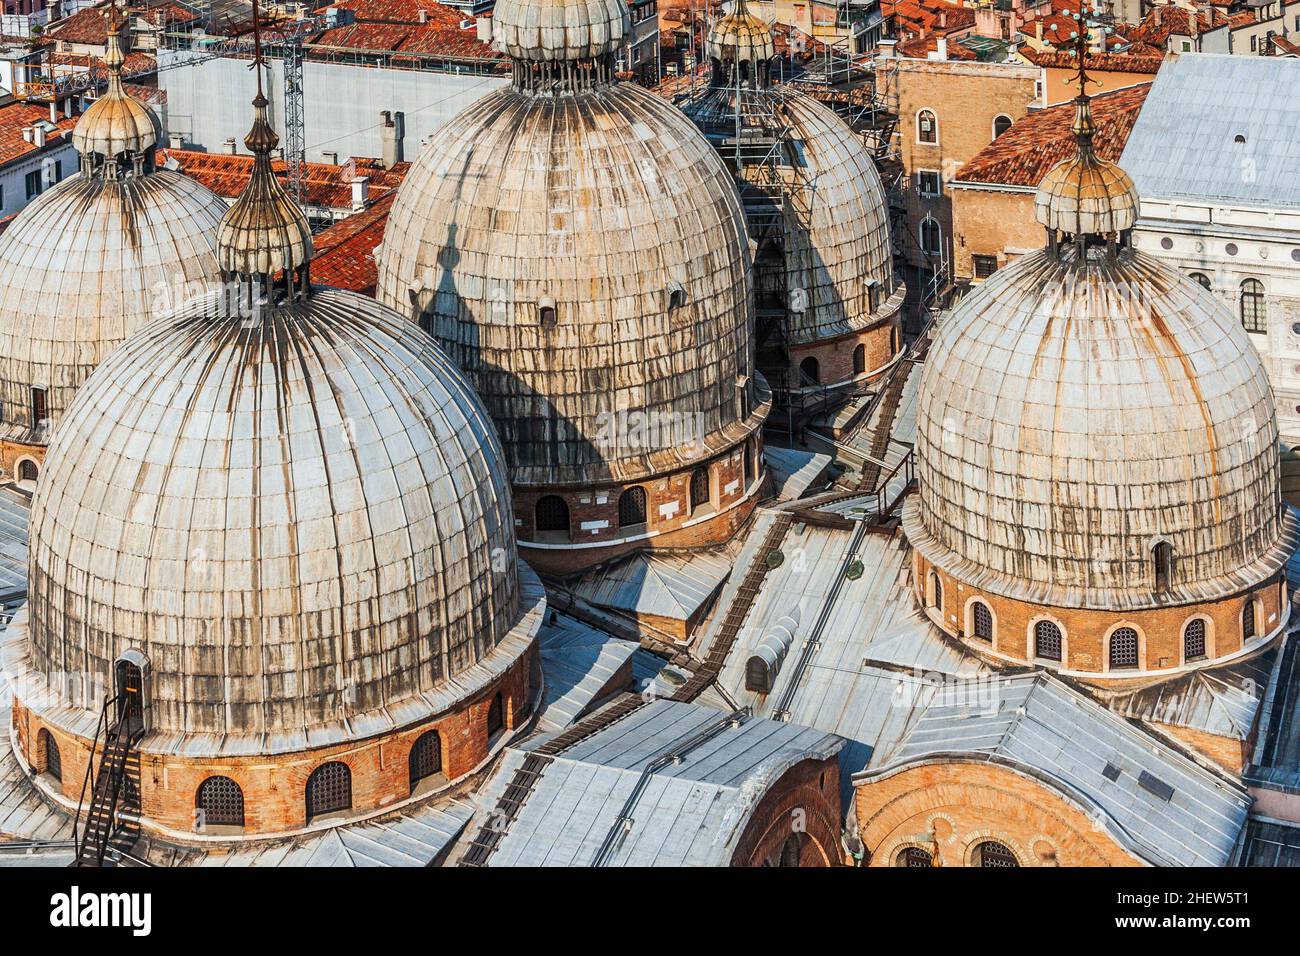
[100, 727]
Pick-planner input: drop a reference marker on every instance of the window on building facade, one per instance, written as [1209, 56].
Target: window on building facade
[425, 759]
[1200, 278]
[929, 183]
[927, 127]
[552, 515]
[931, 238]
[699, 488]
[1123, 649]
[859, 359]
[791, 850]
[810, 371]
[1248, 621]
[1194, 640]
[40, 410]
[496, 716]
[220, 801]
[1253, 313]
[936, 591]
[984, 266]
[990, 853]
[329, 789]
[34, 183]
[1162, 561]
[1047, 641]
[1000, 125]
[914, 856]
[53, 759]
[981, 621]
[632, 507]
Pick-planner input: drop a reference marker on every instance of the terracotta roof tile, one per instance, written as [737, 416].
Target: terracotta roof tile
[1098, 62]
[325, 185]
[14, 117]
[1023, 154]
[919, 48]
[919, 17]
[345, 252]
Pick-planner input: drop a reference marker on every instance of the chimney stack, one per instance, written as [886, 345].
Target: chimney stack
[54, 111]
[230, 146]
[38, 136]
[391, 134]
[941, 47]
[360, 193]
[27, 134]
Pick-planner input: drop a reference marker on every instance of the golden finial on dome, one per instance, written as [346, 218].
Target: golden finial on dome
[1086, 196]
[264, 238]
[118, 133]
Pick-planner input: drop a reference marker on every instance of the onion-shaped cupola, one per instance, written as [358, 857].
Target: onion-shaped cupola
[741, 48]
[1097, 454]
[117, 135]
[98, 254]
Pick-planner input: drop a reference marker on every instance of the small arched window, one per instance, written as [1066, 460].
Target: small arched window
[53, 759]
[749, 462]
[1200, 278]
[1162, 561]
[699, 487]
[676, 296]
[1047, 641]
[552, 515]
[1254, 316]
[1194, 640]
[496, 716]
[991, 853]
[425, 760]
[859, 359]
[927, 127]
[1000, 125]
[546, 316]
[981, 621]
[40, 409]
[914, 856]
[329, 789]
[632, 507]
[810, 371]
[220, 803]
[27, 470]
[1248, 620]
[931, 237]
[936, 592]
[1123, 649]
[791, 850]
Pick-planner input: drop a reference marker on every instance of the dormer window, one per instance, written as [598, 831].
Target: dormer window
[676, 296]
[546, 313]
[1162, 561]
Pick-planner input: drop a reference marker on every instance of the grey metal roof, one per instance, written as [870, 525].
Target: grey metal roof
[1270, 843]
[1217, 700]
[1183, 144]
[690, 813]
[667, 585]
[23, 814]
[1042, 727]
[14, 510]
[794, 471]
[1276, 762]
[578, 662]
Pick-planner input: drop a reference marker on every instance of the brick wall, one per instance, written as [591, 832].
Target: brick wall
[948, 809]
[805, 800]
[988, 222]
[835, 356]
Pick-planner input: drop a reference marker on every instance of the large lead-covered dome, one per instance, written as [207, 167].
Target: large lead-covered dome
[97, 256]
[1087, 405]
[579, 250]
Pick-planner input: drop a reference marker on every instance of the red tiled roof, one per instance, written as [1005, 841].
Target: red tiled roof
[345, 252]
[1097, 62]
[14, 117]
[920, 48]
[134, 64]
[1023, 154]
[1286, 47]
[1168, 20]
[87, 25]
[402, 11]
[393, 26]
[324, 185]
[919, 17]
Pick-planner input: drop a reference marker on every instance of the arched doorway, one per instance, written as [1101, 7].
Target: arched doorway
[810, 371]
[129, 692]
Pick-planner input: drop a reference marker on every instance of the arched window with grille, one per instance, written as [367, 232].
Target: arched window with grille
[931, 237]
[749, 461]
[551, 516]
[1047, 641]
[1194, 640]
[496, 716]
[425, 760]
[329, 789]
[1200, 278]
[220, 803]
[1162, 565]
[913, 856]
[810, 371]
[936, 592]
[927, 127]
[1248, 621]
[27, 470]
[791, 850]
[859, 359]
[699, 488]
[993, 854]
[1254, 315]
[1123, 649]
[981, 621]
[632, 507]
[53, 759]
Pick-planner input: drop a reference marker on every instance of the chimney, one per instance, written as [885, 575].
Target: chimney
[941, 47]
[331, 156]
[484, 25]
[230, 146]
[1038, 29]
[54, 111]
[175, 141]
[943, 19]
[391, 134]
[27, 134]
[886, 49]
[360, 193]
[38, 136]
[424, 16]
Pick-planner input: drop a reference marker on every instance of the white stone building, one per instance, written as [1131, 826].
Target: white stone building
[1215, 155]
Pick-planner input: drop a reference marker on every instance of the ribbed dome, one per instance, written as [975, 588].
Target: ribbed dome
[1072, 416]
[741, 37]
[560, 29]
[85, 265]
[300, 518]
[1085, 194]
[579, 256]
[115, 123]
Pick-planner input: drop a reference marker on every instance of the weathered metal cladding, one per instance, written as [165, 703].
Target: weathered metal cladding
[298, 517]
[560, 29]
[85, 265]
[609, 208]
[1072, 416]
[1086, 196]
[116, 124]
[741, 37]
